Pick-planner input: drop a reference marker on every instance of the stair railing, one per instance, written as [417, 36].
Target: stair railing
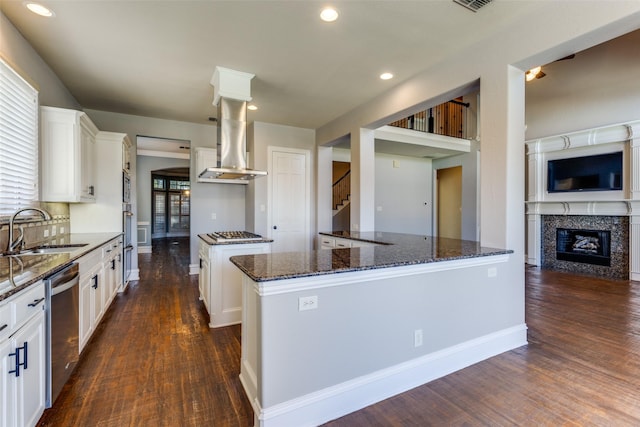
[341, 189]
[447, 119]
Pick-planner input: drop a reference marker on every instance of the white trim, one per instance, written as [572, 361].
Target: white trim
[194, 269]
[276, 287]
[134, 275]
[145, 249]
[165, 154]
[333, 402]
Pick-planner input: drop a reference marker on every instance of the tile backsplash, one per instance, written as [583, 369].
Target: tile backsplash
[38, 231]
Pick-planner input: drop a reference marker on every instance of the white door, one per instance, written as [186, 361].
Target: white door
[290, 199]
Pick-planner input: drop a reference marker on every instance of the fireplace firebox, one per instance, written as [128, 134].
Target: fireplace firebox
[586, 246]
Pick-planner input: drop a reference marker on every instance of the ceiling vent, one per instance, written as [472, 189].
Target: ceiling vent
[473, 4]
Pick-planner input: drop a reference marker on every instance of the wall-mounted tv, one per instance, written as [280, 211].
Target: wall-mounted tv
[600, 172]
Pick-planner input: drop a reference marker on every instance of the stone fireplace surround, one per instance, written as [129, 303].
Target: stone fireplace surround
[618, 211]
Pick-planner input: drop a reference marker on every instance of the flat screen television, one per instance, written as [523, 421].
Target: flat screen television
[600, 172]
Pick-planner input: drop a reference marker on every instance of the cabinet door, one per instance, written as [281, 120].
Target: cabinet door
[86, 298]
[87, 170]
[97, 297]
[204, 283]
[7, 385]
[126, 155]
[30, 393]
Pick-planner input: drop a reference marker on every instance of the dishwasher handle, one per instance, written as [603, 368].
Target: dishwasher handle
[65, 286]
[64, 280]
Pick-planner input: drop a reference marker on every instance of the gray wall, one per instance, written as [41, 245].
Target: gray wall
[18, 53]
[401, 192]
[470, 178]
[598, 87]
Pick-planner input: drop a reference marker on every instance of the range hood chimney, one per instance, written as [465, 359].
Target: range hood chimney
[232, 91]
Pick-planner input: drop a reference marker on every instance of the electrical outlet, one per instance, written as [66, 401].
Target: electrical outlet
[417, 338]
[213, 216]
[492, 272]
[307, 303]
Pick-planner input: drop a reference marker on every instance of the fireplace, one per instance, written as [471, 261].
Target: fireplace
[586, 246]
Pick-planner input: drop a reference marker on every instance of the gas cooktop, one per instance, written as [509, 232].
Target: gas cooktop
[234, 236]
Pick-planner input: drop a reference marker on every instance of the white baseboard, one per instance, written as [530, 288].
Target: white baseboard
[336, 401]
[194, 269]
[134, 275]
[144, 249]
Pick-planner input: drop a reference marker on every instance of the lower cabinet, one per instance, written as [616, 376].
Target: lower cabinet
[22, 360]
[327, 242]
[220, 281]
[99, 281]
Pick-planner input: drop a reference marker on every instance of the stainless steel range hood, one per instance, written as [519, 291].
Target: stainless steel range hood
[232, 91]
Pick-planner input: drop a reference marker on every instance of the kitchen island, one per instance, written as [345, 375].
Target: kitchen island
[328, 332]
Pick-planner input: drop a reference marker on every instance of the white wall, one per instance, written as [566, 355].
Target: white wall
[599, 87]
[260, 137]
[403, 194]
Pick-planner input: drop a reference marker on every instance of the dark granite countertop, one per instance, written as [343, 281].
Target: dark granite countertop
[20, 271]
[210, 241]
[395, 249]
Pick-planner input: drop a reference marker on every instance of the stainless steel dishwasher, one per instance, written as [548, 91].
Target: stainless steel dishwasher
[62, 302]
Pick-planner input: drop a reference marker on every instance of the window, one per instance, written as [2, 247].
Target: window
[18, 142]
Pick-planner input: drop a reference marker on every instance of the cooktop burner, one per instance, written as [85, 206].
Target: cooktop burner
[234, 236]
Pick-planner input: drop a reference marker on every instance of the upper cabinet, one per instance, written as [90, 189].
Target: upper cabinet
[67, 156]
[126, 156]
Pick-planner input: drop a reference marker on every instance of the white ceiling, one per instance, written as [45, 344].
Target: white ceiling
[156, 58]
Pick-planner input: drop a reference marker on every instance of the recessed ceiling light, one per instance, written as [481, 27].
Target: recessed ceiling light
[39, 9]
[252, 107]
[386, 76]
[329, 14]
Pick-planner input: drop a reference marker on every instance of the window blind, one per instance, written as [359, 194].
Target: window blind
[18, 141]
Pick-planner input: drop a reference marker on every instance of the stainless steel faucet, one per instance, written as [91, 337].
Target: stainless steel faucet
[19, 241]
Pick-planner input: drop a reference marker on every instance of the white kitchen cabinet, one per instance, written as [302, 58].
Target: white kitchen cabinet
[221, 285]
[105, 215]
[98, 286]
[22, 359]
[204, 277]
[67, 156]
[126, 155]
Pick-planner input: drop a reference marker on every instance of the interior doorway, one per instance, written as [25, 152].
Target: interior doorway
[170, 203]
[449, 200]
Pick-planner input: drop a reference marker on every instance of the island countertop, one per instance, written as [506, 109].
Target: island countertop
[393, 250]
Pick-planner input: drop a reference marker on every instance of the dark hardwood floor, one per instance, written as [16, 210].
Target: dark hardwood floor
[154, 362]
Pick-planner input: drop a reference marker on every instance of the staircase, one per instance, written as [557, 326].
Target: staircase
[341, 192]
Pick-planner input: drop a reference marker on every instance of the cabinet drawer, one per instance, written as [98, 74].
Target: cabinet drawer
[327, 242]
[27, 305]
[340, 243]
[5, 321]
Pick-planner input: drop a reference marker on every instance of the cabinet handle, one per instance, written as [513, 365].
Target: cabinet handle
[91, 190]
[16, 370]
[200, 263]
[95, 282]
[3, 327]
[119, 258]
[35, 302]
[113, 264]
[26, 357]
[275, 227]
